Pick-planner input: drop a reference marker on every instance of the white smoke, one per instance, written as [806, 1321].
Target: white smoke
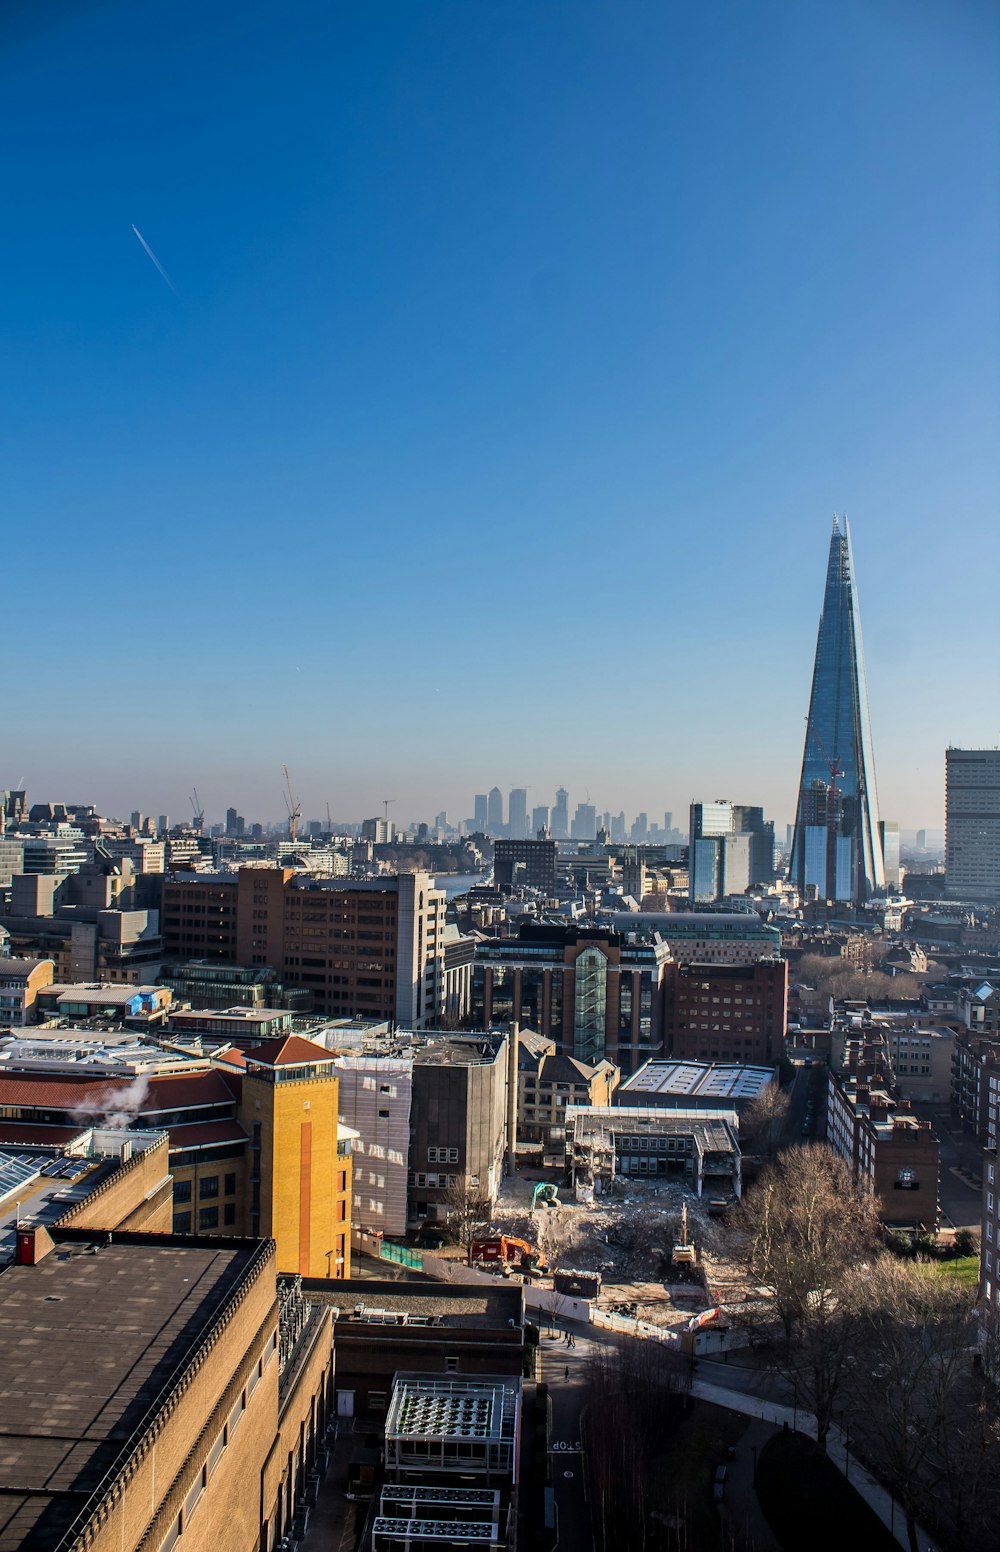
[116, 1109]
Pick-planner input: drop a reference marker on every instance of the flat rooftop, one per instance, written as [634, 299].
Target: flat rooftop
[362, 1300]
[89, 1344]
[690, 1079]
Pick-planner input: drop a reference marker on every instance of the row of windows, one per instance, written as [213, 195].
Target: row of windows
[208, 1218]
[218, 1449]
[208, 1186]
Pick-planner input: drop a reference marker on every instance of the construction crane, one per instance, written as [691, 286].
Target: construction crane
[294, 807]
[197, 810]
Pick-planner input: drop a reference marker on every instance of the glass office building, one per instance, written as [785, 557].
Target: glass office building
[836, 847]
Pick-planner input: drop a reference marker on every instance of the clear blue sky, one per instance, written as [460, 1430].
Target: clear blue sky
[519, 357]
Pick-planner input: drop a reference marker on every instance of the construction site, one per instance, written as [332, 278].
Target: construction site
[642, 1248]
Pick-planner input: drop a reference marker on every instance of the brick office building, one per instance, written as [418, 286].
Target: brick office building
[371, 948]
[598, 995]
[728, 1013]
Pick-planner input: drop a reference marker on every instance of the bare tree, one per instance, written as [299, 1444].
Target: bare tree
[800, 1230]
[468, 1211]
[765, 1119]
[924, 1422]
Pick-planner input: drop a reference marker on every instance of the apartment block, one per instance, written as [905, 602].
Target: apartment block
[884, 1143]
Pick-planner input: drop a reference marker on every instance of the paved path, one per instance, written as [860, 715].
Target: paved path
[768, 1411]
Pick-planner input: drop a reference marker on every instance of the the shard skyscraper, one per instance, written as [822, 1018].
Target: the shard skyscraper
[836, 847]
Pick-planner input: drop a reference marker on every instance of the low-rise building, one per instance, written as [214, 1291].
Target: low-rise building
[547, 1083]
[255, 1146]
[697, 1148]
[695, 1085]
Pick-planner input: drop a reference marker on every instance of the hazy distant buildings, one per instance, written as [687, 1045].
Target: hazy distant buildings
[480, 819]
[972, 824]
[517, 814]
[836, 848]
[584, 823]
[539, 820]
[560, 815]
[494, 812]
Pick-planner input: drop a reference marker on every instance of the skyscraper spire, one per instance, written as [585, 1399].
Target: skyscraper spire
[836, 848]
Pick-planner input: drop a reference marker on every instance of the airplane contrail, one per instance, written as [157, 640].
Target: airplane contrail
[155, 260]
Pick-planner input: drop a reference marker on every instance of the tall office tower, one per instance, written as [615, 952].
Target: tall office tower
[618, 830]
[480, 821]
[640, 829]
[539, 820]
[731, 847]
[441, 820]
[889, 836]
[585, 822]
[138, 819]
[163, 824]
[560, 815]
[921, 840]
[836, 848]
[517, 814]
[231, 817]
[668, 822]
[710, 823]
[494, 812]
[972, 825]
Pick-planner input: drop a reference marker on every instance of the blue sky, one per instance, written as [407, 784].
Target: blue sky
[519, 357]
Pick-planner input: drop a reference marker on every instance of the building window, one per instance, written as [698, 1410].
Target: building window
[229, 1185]
[229, 1214]
[208, 1218]
[208, 1186]
[182, 1223]
[182, 1190]
[451, 1364]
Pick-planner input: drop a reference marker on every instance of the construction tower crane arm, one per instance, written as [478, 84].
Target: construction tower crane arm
[294, 807]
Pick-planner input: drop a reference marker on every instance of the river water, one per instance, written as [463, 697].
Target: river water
[457, 883]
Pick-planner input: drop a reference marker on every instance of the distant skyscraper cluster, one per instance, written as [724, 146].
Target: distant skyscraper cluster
[586, 823]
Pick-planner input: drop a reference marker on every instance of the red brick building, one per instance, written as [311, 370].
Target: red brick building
[728, 1013]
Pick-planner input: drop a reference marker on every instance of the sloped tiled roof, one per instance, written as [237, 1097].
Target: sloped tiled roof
[287, 1051]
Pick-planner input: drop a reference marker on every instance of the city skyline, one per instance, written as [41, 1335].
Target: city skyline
[471, 332]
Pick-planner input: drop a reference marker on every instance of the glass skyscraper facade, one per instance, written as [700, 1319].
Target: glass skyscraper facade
[836, 846]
